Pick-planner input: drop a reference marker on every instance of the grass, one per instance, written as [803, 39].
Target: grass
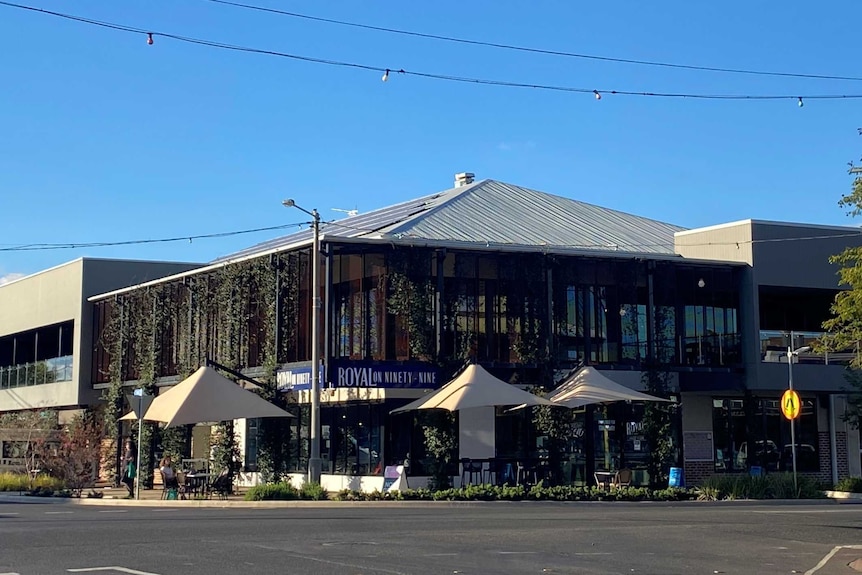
[21, 482]
[850, 484]
[770, 486]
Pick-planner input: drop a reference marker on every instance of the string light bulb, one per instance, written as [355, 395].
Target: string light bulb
[800, 103]
[598, 95]
[150, 38]
[385, 75]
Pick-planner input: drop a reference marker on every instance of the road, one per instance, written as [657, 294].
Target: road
[485, 538]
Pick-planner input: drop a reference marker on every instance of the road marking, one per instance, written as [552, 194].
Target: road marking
[10, 574]
[113, 568]
[829, 556]
[163, 510]
[59, 512]
[516, 552]
[440, 555]
[116, 511]
[331, 562]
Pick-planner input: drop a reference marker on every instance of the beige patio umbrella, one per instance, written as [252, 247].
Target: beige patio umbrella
[588, 385]
[206, 395]
[474, 387]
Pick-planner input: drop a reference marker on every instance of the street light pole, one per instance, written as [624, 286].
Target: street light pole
[790, 355]
[314, 463]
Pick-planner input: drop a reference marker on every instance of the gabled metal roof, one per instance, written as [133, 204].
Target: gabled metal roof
[496, 214]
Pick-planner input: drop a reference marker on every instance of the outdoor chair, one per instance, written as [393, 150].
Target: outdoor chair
[168, 486]
[623, 478]
[470, 468]
[221, 486]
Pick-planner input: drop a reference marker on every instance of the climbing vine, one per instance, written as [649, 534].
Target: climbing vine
[229, 315]
[411, 297]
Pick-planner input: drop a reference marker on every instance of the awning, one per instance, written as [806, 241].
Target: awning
[206, 395]
[474, 387]
[588, 385]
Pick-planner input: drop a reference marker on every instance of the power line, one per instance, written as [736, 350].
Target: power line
[536, 50]
[78, 245]
[444, 77]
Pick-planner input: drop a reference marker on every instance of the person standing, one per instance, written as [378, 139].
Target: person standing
[129, 469]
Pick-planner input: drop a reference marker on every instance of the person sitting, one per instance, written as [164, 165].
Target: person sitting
[168, 473]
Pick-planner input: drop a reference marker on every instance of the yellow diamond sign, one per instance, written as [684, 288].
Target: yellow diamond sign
[791, 407]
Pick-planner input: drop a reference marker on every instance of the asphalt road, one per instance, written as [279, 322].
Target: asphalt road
[487, 538]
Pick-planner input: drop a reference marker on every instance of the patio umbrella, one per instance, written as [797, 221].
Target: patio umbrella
[474, 387]
[206, 395]
[588, 385]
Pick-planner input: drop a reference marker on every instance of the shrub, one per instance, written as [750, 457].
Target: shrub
[771, 486]
[313, 491]
[21, 482]
[282, 491]
[851, 484]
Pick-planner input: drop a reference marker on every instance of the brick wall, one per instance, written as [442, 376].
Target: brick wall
[697, 471]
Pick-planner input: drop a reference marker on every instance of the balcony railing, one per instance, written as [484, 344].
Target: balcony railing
[774, 344]
[38, 373]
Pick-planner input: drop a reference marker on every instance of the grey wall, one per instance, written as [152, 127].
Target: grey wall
[799, 263]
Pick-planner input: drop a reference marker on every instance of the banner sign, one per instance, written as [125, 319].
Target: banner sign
[343, 373]
[387, 375]
[295, 378]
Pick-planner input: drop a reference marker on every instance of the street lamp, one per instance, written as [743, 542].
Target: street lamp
[791, 353]
[314, 463]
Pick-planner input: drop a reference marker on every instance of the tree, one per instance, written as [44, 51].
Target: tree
[74, 455]
[845, 325]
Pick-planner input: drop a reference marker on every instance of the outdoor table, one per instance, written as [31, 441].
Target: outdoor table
[197, 483]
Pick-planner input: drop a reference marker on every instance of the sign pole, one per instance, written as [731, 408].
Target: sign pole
[790, 355]
[140, 433]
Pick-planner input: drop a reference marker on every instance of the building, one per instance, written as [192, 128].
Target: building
[529, 285]
[47, 335]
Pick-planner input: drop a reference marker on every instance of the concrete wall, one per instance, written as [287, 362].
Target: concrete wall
[60, 294]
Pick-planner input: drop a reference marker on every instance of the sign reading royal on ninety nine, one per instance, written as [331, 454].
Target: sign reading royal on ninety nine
[344, 373]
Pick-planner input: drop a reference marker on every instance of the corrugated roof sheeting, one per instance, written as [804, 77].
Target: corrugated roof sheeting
[498, 213]
[356, 226]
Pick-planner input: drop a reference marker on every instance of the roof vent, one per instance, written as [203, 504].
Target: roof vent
[464, 179]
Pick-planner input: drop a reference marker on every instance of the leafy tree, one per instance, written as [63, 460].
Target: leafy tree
[441, 443]
[845, 327]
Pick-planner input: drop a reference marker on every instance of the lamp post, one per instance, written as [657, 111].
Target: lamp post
[314, 463]
[791, 353]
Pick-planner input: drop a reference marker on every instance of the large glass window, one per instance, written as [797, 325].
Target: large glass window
[37, 357]
[753, 432]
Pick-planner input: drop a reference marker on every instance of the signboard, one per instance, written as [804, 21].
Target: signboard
[359, 374]
[607, 425]
[139, 404]
[394, 478]
[295, 378]
[791, 406]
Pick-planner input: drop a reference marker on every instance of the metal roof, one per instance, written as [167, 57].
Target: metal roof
[496, 214]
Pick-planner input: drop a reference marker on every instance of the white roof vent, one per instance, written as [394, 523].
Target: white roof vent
[464, 179]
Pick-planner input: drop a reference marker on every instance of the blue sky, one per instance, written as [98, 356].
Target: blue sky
[105, 138]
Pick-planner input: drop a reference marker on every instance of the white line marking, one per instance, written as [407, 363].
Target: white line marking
[113, 568]
[7, 515]
[330, 562]
[59, 512]
[440, 555]
[116, 511]
[163, 510]
[516, 552]
[10, 574]
[829, 556]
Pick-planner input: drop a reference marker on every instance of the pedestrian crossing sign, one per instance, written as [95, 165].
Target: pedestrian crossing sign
[791, 407]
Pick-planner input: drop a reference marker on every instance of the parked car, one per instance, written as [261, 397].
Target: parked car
[765, 454]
